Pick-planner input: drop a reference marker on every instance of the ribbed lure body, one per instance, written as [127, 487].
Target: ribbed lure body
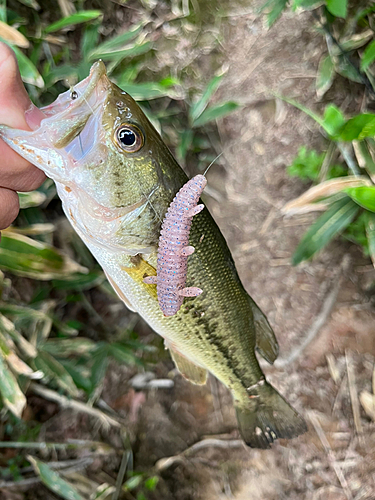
[174, 247]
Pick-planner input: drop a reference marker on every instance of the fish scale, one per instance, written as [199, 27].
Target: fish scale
[116, 200]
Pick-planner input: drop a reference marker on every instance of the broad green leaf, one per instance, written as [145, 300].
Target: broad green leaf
[89, 39]
[358, 127]
[118, 55]
[325, 76]
[364, 196]
[370, 233]
[28, 71]
[11, 395]
[76, 18]
[31, 199]
[338, 7]
[215, 112]
[54, 370]
[368, 56]
[197, 109]
[333, 120]
[27, 257]
[54, 481]
[80, 374]
[332, 222]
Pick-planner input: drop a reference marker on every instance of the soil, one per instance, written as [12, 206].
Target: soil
[334, 460]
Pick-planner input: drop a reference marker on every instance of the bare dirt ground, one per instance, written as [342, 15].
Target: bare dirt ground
[335, 459]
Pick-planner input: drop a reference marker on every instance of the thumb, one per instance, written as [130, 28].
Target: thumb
[14, 101]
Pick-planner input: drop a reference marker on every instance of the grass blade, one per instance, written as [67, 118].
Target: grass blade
[325, 76]
[11, 394]
[76, 18]
[215, 112]
[54, 481]
[197, 109]
[332, 222]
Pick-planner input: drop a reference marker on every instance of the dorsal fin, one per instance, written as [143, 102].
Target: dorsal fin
[266, 343]
[195, 374]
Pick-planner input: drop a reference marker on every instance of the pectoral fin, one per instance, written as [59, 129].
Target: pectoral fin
[195, 374]
[266, 342]
[138, 270]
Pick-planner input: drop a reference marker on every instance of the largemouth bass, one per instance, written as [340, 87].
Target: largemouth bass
[116, 179]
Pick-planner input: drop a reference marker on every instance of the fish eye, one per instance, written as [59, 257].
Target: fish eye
[129, 138]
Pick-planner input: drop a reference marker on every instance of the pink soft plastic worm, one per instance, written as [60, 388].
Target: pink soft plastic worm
[174, 247]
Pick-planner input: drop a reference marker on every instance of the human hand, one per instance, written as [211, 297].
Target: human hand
[16, 110]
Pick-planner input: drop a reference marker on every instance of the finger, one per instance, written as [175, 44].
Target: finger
[9, 207]
[16, 110]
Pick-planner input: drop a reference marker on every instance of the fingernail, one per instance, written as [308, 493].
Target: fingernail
[34, 116]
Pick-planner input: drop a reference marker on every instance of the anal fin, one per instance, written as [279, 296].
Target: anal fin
[195, 374]
[266, 342]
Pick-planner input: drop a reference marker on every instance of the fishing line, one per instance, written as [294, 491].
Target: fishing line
[210, 165]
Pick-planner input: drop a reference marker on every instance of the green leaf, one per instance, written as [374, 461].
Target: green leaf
[276, 11]
[151, 483]
[118, 55]
[11, 395]
[54, 481]
[325, 76]
[133, 482]
[117, 41]
[306, 4]
[344, 68]
[80, 281]
[146, 91]
[31, 3]
[55, 371]
[370, 233]
[368, 56]
[197, 108]
[364, 196]
[338, 8]
[69, 347]
[333, 120]
[122, 353]
[215, 112]
[306, 165]
[358, 127]
[76, 18]
[98, 370]
[29, 73]
[31, 199]
[24, 256]
[332, 222]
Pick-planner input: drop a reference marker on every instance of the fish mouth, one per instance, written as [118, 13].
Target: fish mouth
[72, 100]
[74, 119]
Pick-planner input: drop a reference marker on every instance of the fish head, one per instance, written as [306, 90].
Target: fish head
[104, 154]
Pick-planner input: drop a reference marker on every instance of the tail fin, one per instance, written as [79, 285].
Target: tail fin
[268, 417]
